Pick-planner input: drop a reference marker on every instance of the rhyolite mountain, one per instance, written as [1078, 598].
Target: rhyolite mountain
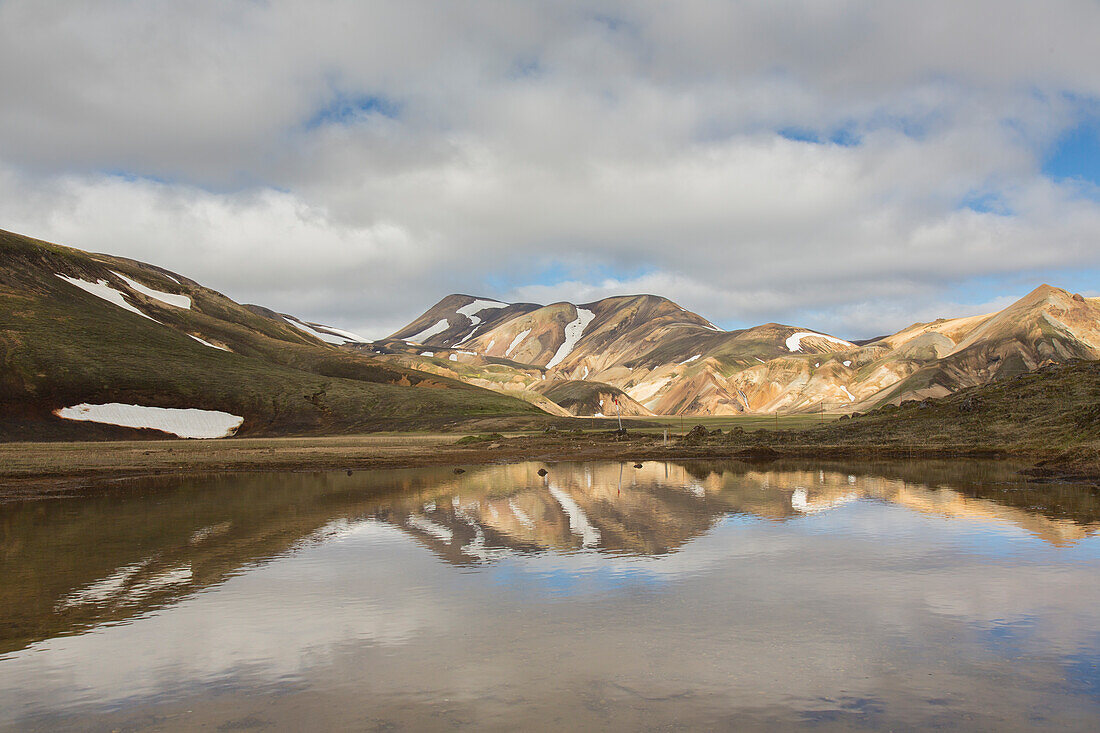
[80, 328]
[669, 360]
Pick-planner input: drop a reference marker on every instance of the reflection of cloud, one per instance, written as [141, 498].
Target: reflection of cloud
[721, 598]
[278, 620]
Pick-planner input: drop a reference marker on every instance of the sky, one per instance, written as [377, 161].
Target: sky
[849, 166]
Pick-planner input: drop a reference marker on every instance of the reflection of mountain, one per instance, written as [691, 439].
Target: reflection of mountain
[74, 563]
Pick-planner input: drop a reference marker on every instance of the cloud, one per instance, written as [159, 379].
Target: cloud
[353, 162]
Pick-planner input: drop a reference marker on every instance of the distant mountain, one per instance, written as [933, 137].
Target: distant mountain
[672, 361]
[116, 339]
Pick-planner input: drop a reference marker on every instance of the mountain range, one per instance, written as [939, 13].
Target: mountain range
[79, 331]
[667, 360]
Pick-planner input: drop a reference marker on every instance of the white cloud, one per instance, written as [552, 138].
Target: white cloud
[353, 162]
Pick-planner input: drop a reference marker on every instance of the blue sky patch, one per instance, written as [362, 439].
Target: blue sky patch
[1076, 154]
[343, 109]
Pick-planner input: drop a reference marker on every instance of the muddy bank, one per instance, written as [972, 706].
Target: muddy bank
[31, 470]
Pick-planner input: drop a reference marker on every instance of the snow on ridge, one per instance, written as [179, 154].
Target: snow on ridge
[573, 332]
[348, 335]
[427, 333]
[516, 341]
[207, 343]
[794, 341]
[184, 422]
[688, 361]
[177, 301]
[102, 290]
[345, 337]
[470, 310]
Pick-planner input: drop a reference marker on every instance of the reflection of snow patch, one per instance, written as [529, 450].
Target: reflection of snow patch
[573, 332]
[794, 341]
[179, 301]
[103, 291]
[427, 333]
[102, 590]
[578, 520]
[186, 423]
[800, 502]
[516, 341]
[521, 515]
[434, 529]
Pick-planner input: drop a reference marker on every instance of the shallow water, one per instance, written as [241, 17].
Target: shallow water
[690, 595]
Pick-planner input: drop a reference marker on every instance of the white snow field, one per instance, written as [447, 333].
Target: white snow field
[207, 343]
[470, 310]
[104, 291]
[179, 301]
[794, 341]
[688, 361]
[328, 338]
[516, 341]
[184, 422]
[573, 332]
[427, 333]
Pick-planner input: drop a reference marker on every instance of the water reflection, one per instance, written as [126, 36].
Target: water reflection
[607, 593]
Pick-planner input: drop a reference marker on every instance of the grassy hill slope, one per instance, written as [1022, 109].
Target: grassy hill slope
[60, 346]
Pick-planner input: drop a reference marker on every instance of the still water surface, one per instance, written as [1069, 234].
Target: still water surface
[690, 595]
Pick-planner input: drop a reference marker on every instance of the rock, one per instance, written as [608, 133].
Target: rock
[460, 470]
[925, 404]
[1079, 298]
[542, 472]
[970, 404]
[637, 465]
[349, 472]
[696, 435]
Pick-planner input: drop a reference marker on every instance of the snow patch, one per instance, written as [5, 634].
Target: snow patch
[328, 338]
[851, 397]
[177, 301]
[470, 310]
[516, 341]
[847, 363]
[759, 359]
[184, 422]
[453, 357]
[585, 375]
[688, 361]
[207, 343]
[489, 348]
[427, 353]
[794, 341]
[427, 333]
[573, 332]
[102, 290]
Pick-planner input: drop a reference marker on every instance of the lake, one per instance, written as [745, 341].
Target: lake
[679, 595]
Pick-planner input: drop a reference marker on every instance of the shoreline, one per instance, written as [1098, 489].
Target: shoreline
[53, 470]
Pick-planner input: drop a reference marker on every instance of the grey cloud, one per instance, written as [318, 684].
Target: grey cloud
[640, 137]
